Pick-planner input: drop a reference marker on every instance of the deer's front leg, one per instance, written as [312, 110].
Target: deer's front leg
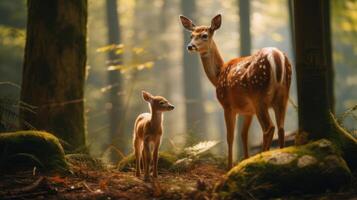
[230, 118]
[156, 158]
[147, 161]
[246, 124]
[138, 152]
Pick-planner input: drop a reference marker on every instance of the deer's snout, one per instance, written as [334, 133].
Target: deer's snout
[191, 47]
[171, 107]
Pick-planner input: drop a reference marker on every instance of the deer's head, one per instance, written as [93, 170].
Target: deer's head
[157, 103]
[201, 36]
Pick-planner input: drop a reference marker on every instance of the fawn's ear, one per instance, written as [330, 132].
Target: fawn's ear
[187, 23]
[147, 96]
[216, 22]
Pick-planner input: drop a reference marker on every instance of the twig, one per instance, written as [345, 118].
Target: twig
[10, 83]
[30, 187]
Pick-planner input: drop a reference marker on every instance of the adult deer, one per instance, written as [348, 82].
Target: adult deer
[246, 85]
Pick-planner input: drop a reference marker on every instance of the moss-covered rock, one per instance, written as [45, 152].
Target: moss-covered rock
[310, 168]
[26, 149]
[166, 160]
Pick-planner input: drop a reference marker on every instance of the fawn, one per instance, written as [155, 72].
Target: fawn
[147, 132]
[245, 86]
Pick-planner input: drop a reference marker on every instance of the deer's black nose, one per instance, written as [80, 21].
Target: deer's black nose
[191, 47]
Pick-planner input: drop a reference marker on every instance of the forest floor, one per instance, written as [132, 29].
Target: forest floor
[110, 184]
[196, 183]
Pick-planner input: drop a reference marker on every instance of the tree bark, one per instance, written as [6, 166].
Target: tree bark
[313, 59]
[195, 116]
[114, 77]
[245, 50]
[54, 68]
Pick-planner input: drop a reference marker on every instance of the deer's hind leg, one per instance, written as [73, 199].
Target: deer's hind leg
[279, 107]
[266, 124]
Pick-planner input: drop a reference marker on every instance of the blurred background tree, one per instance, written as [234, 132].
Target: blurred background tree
[152, 52]
[195, 116]
[114, 76]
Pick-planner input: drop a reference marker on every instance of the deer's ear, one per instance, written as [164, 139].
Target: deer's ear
[187, 23]
[147, 96]
[216, 22]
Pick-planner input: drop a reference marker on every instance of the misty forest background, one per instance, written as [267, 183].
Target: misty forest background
[139, 45]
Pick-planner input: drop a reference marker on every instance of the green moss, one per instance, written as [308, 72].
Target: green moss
[26, 149]
[310, 168]
[166, 160]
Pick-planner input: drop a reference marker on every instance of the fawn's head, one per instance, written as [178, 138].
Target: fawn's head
[201, 36]
[158, 103]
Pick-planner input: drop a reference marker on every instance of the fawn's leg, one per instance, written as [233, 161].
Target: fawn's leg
[230, 118]
[138, 151]
[156, 157]
[246, 124]
[147, 160]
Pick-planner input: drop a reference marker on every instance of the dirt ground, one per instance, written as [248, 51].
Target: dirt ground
[110, 184]
[196, 183]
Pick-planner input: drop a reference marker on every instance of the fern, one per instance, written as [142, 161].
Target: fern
[9, 117]
[200, 148]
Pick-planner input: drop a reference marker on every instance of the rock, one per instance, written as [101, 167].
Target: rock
[306, 160]
[27, 149]
[310, 168]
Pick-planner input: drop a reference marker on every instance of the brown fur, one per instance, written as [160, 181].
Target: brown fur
[245, 86]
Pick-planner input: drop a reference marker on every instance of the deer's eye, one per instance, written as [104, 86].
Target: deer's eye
[204, 36]
[162, 102]
[191, 36]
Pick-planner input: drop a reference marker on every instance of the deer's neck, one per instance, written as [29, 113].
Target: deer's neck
[156, 119]
[212, 63]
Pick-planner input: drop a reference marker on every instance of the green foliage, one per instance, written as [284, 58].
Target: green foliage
[27, 149]
[166, 160]
[85, 161]
[145, 60]
[9, 117]
[348, 113]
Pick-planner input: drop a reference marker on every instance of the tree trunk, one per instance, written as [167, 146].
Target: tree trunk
[292, 32]
[54, 68]
[114, 78]
[313, 59]
[329, 67]
[245, 50]
[195, 116]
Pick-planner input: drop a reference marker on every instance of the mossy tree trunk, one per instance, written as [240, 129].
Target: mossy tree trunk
[114, 77]
[195, 116]
[54, 68]
[313, 61]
